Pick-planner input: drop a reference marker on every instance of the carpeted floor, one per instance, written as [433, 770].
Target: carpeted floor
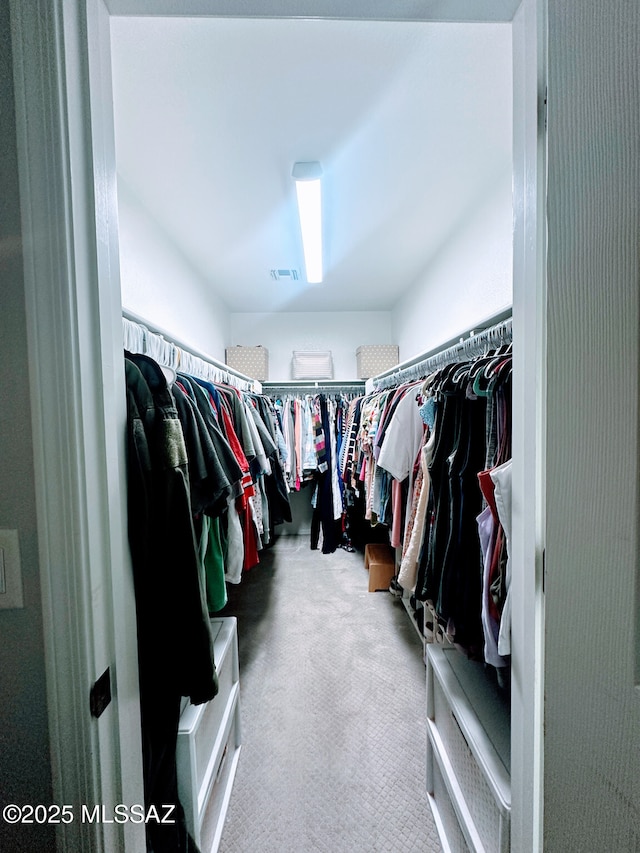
[332, 690]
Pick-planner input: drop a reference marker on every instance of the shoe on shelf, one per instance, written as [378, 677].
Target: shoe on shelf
[418, 615]
[395, 589]
[428, 632]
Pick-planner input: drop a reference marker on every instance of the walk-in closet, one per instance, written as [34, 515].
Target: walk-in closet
[325, 550]
[411, 126]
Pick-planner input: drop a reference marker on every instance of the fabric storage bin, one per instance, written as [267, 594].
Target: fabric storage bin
[312, 365]
[376, 358]
[252, 361]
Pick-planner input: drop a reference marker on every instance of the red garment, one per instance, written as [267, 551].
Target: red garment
[250, 537]
[234, 441]
[238, 452]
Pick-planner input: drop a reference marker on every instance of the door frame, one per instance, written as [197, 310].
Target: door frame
[70, 251]
[64, 113]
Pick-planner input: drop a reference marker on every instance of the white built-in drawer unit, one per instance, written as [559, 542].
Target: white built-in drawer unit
[209, 744]
[468, 754]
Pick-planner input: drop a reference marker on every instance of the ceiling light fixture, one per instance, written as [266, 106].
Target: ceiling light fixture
[307, 177]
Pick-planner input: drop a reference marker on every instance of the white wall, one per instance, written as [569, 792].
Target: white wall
[161, 284]
[25, 775]
[467, 281]
[342, 333]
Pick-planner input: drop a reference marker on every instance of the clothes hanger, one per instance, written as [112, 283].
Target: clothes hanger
[481, 386]
[443, 374]
[503, 371]
[454, 376]
[429, 382]
[485, 379]
[461, 375]
[169, 374]
[495, 363]
[479, 363]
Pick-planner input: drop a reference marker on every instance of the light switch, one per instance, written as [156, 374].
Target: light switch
[10, 571]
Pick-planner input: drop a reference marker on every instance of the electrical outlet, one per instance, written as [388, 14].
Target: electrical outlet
[10, 571]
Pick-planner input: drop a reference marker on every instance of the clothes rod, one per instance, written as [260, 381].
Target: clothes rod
[287, 387]
[171, 338]
[460, 338]
[314, 383]
[471, 346]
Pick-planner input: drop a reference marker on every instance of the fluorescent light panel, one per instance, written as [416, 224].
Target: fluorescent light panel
[308, 188]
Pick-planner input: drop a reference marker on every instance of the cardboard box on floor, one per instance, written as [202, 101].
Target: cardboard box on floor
[379, 559]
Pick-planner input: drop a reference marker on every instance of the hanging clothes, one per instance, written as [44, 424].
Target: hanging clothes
[175, 647]
[501, 477]
[313, 431]
[162, 536]
[423, 454]
[460, 564]
[415, 532]
[236, 472]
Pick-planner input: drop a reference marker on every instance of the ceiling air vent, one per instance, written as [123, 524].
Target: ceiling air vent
[285, 275]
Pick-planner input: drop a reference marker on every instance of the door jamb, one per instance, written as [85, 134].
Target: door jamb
[67, 182]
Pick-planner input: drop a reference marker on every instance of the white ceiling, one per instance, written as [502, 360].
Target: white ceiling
[410, 121]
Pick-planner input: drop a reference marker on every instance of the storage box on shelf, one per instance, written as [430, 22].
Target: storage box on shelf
[252, 361]
[209, 744]
[306, 364]
[468, 754]
[373, 359]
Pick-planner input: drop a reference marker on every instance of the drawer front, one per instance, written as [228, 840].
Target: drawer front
[476, 791]
[205, 735]
[444, 812]
[203, 729]
[215, 812]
